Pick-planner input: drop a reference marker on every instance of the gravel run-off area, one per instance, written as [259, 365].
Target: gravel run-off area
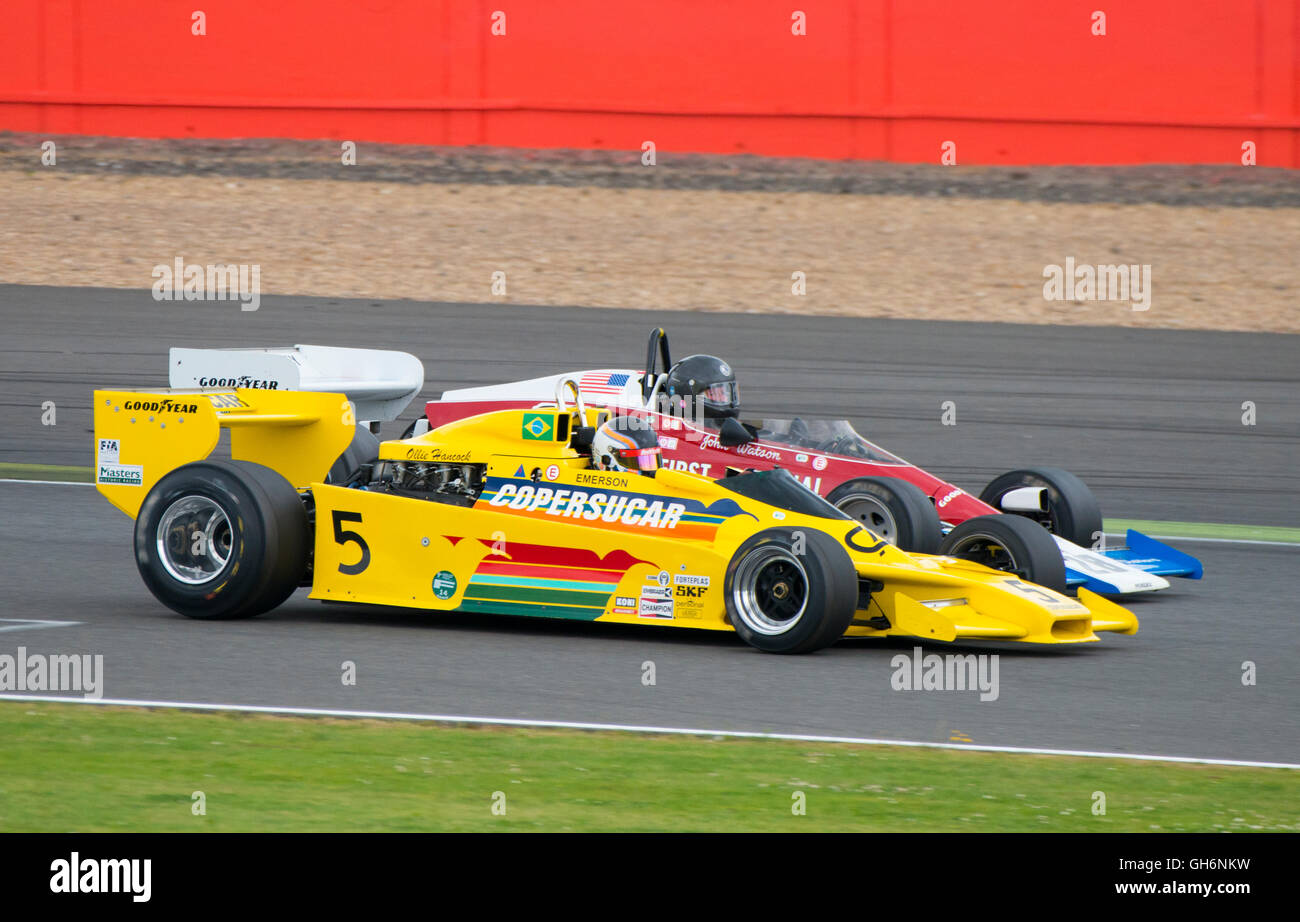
[691, 233]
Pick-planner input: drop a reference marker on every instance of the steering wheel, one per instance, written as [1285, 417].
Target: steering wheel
[832, 446]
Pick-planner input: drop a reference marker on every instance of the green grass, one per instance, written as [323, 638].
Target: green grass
[82, 768]
[1207, 530]
[46, 472]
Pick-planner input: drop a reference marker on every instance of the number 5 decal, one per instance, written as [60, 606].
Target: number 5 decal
[345, 536]
[1031, 590]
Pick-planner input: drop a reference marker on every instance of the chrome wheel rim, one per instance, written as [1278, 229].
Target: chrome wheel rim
[770, 591]
[873, 514]
[194, 539]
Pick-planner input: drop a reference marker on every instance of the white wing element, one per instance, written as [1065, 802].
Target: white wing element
[602, 387]
[1124, 577]
[380, 383]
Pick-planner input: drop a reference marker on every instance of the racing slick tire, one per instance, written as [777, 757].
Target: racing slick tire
[791, 591]
[363, 449]
[1072, 510]
[222, 539]
[1011, 543]
[895, 509]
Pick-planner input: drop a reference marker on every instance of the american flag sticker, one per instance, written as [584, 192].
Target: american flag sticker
[602, 382]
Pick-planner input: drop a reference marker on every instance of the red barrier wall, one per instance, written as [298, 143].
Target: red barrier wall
[1008, 81]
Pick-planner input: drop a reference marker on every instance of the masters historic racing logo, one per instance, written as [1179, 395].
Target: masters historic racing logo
[110, 470]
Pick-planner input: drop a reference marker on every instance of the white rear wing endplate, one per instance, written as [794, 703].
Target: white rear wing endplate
[379, 383]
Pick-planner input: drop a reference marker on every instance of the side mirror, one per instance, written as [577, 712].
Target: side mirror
[733, 433]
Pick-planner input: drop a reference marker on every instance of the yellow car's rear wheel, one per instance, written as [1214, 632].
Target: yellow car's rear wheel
[791, 591]
[222, 539]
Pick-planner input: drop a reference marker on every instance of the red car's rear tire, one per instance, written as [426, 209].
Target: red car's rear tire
[1072, 510]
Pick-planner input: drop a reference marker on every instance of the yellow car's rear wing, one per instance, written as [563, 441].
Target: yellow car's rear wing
[142, 435]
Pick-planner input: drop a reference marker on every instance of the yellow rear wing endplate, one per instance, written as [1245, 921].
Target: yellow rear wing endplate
[143, 435]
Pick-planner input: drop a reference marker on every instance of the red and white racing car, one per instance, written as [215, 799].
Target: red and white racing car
[694, 407]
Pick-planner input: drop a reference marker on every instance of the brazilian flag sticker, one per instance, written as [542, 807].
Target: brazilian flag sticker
[539, 427]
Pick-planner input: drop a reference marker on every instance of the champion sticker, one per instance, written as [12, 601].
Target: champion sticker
[656, 602]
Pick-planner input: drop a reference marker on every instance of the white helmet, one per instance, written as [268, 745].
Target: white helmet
[626, 443]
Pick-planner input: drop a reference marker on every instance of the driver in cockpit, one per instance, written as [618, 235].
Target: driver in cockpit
[702, 388]
[625, 443]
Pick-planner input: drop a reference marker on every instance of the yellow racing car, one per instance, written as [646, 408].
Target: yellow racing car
[513, 512]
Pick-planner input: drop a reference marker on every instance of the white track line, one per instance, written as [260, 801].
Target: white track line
[52, 483]
[32, 624]
[631, 728]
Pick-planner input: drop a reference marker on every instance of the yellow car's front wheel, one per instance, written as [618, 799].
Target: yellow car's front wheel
[791, 590]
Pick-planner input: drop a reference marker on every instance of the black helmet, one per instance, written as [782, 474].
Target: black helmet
[703, 382]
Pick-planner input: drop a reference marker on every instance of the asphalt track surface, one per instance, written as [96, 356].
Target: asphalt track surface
[1151, 419]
